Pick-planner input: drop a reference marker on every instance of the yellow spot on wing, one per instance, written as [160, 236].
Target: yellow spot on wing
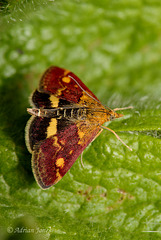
[66, 72]
[81, 137]
[55, 143]
[62, 142]
[71, 152]
[52, 128]
[66, 79]
[60, 162]
[58, 176]
[81, 134]
[85, 131]
[59, 90]
[54, 101]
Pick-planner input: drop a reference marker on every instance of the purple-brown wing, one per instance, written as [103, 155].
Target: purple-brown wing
[53, 157]
[56, 143]
[63, 84]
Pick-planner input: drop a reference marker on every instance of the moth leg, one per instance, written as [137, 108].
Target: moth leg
[116, 136]
[92, 141]
[82, 160]
[97, 134]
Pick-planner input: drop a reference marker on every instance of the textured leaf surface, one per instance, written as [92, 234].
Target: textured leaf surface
[114, 47]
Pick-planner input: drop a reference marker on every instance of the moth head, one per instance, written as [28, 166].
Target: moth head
[114, 115]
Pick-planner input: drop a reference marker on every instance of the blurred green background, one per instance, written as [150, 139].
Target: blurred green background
[115, 49]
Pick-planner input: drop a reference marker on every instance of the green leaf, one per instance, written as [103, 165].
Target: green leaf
[114, 47]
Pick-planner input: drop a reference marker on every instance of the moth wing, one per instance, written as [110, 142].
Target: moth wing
[56, 143]
[64, 84]
[54, 156]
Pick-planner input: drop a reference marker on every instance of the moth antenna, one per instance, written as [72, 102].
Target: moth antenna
[116, 109]
[124, 108]
[88, 93]
[117, 136]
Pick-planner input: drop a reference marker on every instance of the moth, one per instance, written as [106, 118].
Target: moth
[66, 117]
